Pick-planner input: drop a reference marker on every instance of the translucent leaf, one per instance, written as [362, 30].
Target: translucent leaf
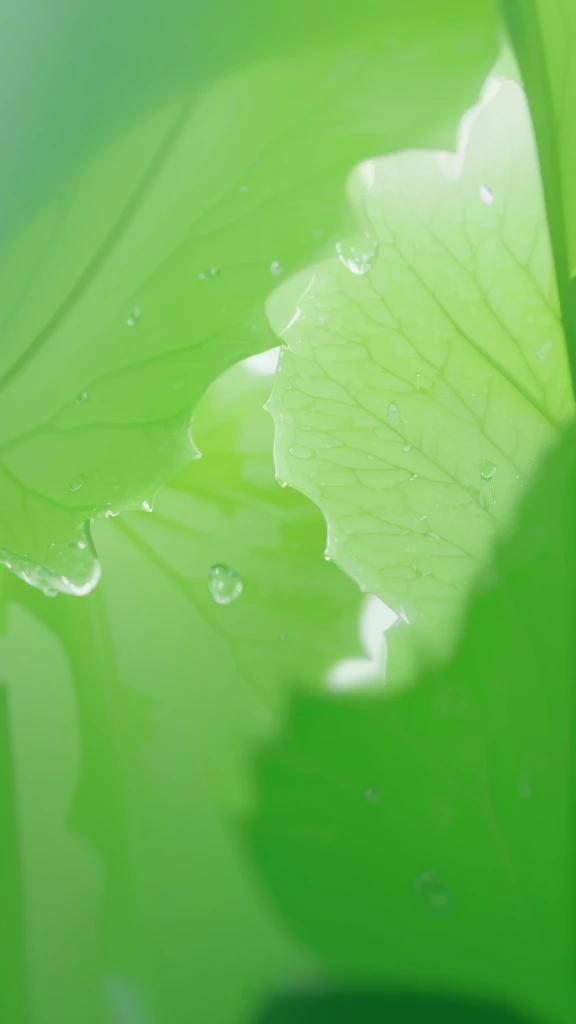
[425, 372]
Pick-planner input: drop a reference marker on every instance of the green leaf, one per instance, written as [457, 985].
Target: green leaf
[350, 1007]
[133, 715]
[168, 192]
[424, 838]
[424, 372]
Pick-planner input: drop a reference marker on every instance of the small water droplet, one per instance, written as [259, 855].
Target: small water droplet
[546, 347]
[372, 795]
[433, 536]
[324, 318]
[357, 254]
[413, 477]
[392, 413]
[243, 188]
[433, 894]
[486, 195]
[327, 557]
[225, 584]
[300, 451]
[76, 483]
[280, 481]
[50, 591]
[134, 317]
[487, 469]
[214, 271]
[407, 447]
[202, 276]
[276, 268]
[82, 397]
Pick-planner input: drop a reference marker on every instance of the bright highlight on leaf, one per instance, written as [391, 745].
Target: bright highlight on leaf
[413, 401]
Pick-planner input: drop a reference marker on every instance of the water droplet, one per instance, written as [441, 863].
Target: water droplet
[487, 469]
[280, 481]
[243, 188]
[546, 347]
[225, 584]
[214, 271]
[392, 413]
[433, 536]
[82, 397]
[486, 195]
[300, 451]
[433, 894]
[202, 276]
[77, 483]
[424, 383]
[134, 317]
[357, 254]
[324, 318]
[413, 477]
[276, 268]
[407, 447]
[372, 795]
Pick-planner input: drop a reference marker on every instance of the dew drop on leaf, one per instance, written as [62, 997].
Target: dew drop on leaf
[546, 347]
[433, 894]
[225, 584]
[276, 268]
[486, 195]
[82, 397]
[134, 317]
[77, 483]
[357, 254]
[371, 795]
[392, 413]
[300, 451]
[487, 469]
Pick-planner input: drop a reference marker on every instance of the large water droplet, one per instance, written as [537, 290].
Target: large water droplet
[134, 317]
[487, 469]
[433, 894]
[486, 195]
[392, 415]
[225, 584]
[357, 254]
[77, 483]
[300, 451]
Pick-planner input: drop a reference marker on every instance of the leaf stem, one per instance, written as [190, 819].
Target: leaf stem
[523, 25]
